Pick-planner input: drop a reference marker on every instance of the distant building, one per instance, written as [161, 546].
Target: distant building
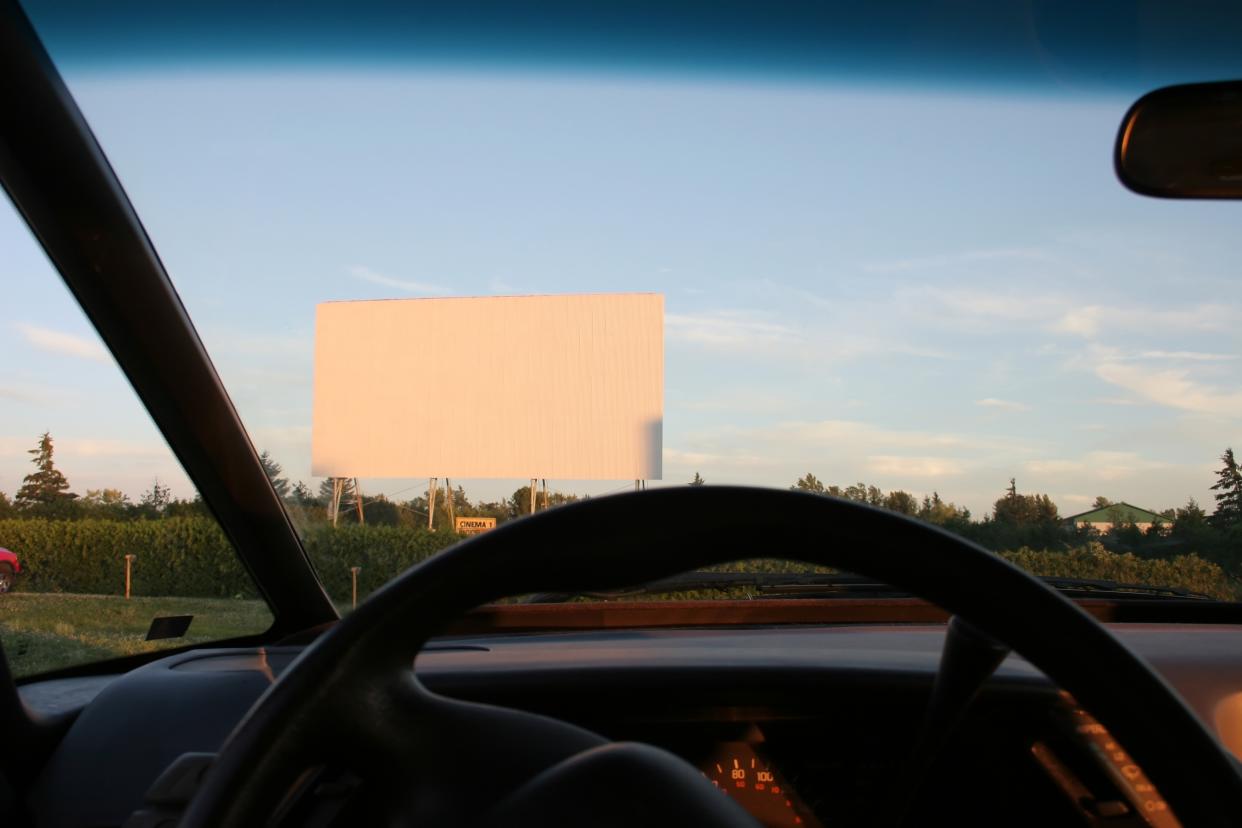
[1106, 518]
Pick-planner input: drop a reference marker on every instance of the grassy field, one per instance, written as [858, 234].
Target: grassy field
[42, 632]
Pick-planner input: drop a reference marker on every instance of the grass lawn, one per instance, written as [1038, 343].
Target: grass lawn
[43, 631]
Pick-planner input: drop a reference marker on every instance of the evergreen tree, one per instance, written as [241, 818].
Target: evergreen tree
[273, 471]
[301, 495]
[943, 513]
[156, 499]
[347, 494]
[46, 485]
[698, 480]
[1024, 510]
[1228, 488]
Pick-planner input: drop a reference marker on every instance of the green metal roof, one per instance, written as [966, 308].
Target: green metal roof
[1117, 513]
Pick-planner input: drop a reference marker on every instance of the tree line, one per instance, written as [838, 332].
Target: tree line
[1016, 520]
[1032, 520]
[47, 493]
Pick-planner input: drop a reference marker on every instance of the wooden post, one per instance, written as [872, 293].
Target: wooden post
[638, 485]
[534, 485]
[433, 488]
[452, 512]
[338, 491]
[358, 502]
[545, 493]
[353, 575]
[129, 562]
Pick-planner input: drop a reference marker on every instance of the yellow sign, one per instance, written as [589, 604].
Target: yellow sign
[473, 525]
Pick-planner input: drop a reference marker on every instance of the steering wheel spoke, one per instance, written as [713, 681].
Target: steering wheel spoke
[471, 752]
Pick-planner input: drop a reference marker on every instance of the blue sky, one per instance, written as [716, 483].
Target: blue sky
[929, 290]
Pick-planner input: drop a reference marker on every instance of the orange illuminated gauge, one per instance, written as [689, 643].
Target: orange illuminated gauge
[739, 772]
[1125, 772]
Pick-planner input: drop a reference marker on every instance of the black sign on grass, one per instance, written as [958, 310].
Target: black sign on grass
[169, 626]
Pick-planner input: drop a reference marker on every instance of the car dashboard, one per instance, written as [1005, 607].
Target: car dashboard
[803, 726]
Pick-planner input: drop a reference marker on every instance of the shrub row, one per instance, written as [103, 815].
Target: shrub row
[1092, 560]
[383, 552]
[175, 557]
[190, 557]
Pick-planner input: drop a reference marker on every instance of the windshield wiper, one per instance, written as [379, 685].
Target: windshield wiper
[831, 585]
[1102, 588]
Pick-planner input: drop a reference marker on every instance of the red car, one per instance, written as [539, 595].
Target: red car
[9, 568]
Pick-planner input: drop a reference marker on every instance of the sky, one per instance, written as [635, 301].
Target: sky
[927, 288]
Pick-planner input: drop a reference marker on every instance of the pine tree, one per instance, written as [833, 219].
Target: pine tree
[46, 485]
[157, 498]
[698, 480]
[1024, 510]
[273, 471]
[347, 492]
[1228, 488]
[301, 495]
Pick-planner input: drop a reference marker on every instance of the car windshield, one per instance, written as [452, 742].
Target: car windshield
[446, 293]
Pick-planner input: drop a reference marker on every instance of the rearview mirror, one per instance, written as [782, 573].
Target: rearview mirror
[1184, 142]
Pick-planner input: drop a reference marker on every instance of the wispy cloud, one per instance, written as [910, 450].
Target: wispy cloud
[1007, 405]
[851, 337]
[965, 257]
[1093, 320]
[731, 459]
[979, 310]
[855, 433]
[232, 341]
[906, 466]
[1096, 465]
[1189, 356]
[728, 330]
[297, 435]
[735, 400]
[62, 343]
[1173, 388]
[17, 394]
[984, 308]
[852, 449]
[366, 274]
[45, 395]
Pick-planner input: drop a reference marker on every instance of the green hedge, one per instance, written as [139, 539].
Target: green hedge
[1094, 561]
[175, 557]
[383, 552]
[190, 557]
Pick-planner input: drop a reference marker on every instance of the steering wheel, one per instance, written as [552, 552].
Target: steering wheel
[352, 697]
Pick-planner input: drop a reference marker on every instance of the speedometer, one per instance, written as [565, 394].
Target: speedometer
[742, 774]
